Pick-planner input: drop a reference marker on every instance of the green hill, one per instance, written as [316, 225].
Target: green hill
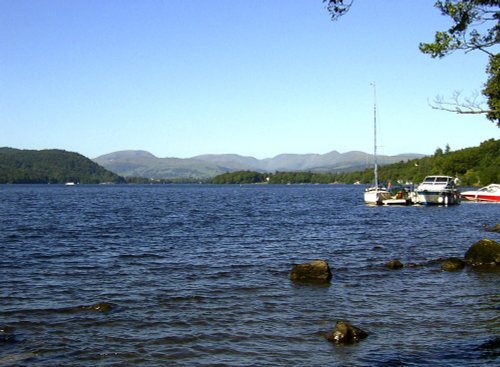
[477, 166]
[473, 166]
[51, 166]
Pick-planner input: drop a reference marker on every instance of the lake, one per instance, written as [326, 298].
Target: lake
[197, 275]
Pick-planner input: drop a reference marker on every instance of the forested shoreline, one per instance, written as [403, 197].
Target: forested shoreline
[475, 166]
[52, 166]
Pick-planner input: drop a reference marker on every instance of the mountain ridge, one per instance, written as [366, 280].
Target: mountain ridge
[140, 163]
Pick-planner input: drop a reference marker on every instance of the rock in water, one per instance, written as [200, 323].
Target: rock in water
[98, 307]
[453, 263]
[316, 271]
[7, 335]
[491, 344]
[495, 228]
[394, 264]
[345, 333]
[483, 252]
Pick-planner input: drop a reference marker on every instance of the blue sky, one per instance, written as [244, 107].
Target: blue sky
[258, 78]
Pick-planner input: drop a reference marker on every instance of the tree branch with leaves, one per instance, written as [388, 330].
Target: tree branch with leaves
[337, 8]
[475, 27]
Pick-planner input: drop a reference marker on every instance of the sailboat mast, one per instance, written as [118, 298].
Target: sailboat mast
[375, 169]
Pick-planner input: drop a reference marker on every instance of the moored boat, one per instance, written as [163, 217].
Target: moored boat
[402, 197]
[437, 190]
[489, 193]
[375, 195]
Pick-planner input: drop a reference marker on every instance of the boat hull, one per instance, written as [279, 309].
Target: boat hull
[482, 197]
[437, 190]
[405, 201]
[376, 196]
[441, 197]
[490, 193]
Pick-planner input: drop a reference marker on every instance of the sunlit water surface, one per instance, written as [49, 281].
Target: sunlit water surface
[198, 276]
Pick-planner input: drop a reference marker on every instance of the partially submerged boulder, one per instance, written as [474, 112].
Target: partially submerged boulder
[495, 228]
[491, 344]
[345, 333]
[98, 307]
[452, 263]
[394, 264]
[483, 252]
[316, 271]
[7, 335]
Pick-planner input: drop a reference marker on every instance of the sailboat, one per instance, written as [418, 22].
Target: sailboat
[375, 195]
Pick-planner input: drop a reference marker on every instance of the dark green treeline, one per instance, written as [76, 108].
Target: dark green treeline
[51, 166]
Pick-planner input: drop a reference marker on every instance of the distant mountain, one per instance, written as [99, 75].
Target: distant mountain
[51, 166]
[133, 163]
[143, 164]
[230, 161]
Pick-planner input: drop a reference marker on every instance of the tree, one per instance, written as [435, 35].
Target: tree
[476, 27]
[438, 152]
[467, 16]
[492, 89]
[51, 166]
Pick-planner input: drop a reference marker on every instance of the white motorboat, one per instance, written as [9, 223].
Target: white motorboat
[489, 193]
[437, 190]
[375, 195]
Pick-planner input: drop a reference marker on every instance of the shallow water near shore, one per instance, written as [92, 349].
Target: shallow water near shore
[197, 275]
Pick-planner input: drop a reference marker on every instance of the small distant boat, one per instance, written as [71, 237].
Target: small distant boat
[437, 190]
[489, 193]
[375, 195]
[70, 184]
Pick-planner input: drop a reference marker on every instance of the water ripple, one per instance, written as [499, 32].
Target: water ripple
[198, 276]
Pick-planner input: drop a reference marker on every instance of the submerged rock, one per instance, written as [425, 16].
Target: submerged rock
[317, 271]
[13, 359]
[394, 264]
[483, 252]
[98, 307]
[7, 335]
[491, 344]
[345, 333]
[495, 228]
[453, 263]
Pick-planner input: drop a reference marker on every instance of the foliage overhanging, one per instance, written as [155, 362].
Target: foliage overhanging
[475, 27]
